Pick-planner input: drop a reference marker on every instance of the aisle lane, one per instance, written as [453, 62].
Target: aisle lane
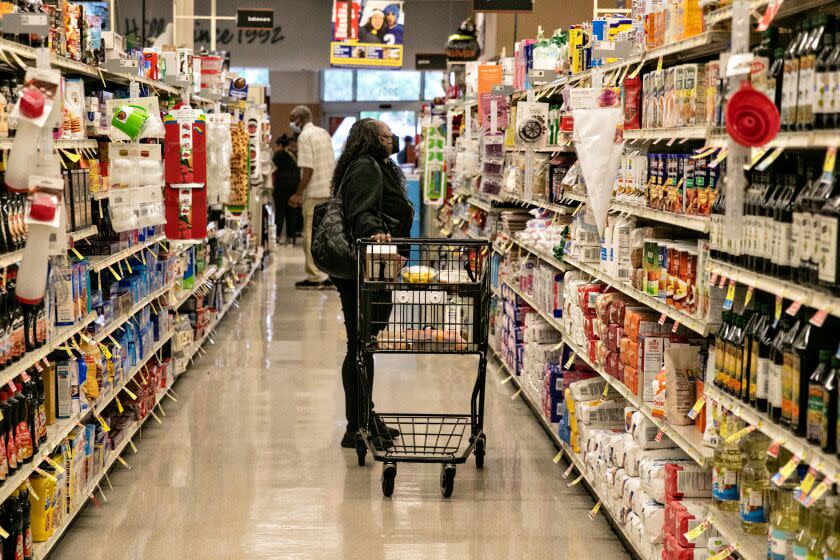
[247, 462]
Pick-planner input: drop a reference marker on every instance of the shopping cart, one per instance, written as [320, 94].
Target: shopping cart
[423, 296]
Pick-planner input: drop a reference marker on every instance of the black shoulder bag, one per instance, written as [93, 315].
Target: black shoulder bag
[333, 248]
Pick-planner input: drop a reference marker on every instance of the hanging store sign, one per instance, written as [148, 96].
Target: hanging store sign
[255, 18]
[503, 5]
[367, 33]
[430, 61]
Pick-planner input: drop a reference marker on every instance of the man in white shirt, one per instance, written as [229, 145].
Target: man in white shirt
[316, 163]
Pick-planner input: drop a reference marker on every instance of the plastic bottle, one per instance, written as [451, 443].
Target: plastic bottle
[755, 486]
[23, 436]
[726, 472]
[32, 419]
[8, 431]
[784, 520]
[42, 407]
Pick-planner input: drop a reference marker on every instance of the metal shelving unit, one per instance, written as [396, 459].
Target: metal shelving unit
[100, 263]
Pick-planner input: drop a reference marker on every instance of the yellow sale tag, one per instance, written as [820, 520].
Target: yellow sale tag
[31, 490]
[102, 423]
[819, 490]
[133, 447]
[46, 474]
[659, 65]
[749, 296]
[78, 254]
[594, 510]
[100, 210]
[697, 531]
[230, 283]
[605, 391]
[85, 337]
[130, 394]
[514, 396]
[558, 457]
[155, 416]
[638, 69]
[168, 394]
[105, 351]
[4, 533]
[570, 361]
[741, 433]
[704, 153]
[507, 379]
[128, 265]
[787, 470]
[55, 465]
[114, 272]
[698, 406]
[758, 153]
[123, 463]
[114, 340]
[119, 405]
[558, 346]
[808, 482]
[830, 161]
[575, 481]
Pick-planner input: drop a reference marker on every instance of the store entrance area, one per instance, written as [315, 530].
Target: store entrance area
[253, 467]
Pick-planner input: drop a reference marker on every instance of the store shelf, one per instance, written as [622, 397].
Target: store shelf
[685, 437]
[790, 8]
[100, 263]
[117, 323]
[684, 319]
[696, 223]
[81, 234]
[728, 524]
[809, 297]
[826, 463]
[59, 337]
[678, 135]
[73, 67]
[62, 428]
[559, 148]
[817, 139]
[182, 297]
[531, 250]
[480, 204]
[14, 257]
[41, 550]
[80, 144]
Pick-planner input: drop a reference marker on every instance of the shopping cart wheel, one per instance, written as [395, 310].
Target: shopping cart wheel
[447, 480]
[389, 473]
[361, 451]
[480, 447]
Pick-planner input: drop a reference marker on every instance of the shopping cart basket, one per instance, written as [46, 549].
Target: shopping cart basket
[423, 296]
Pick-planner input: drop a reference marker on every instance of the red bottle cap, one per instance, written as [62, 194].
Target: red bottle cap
[751, 118]
[32, 102]
[43, 207]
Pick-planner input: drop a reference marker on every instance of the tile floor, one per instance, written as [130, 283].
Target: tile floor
[247, 463]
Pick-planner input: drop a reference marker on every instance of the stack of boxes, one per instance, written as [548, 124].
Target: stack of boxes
[675, 97]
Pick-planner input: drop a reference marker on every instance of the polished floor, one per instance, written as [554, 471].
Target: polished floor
[247, 463]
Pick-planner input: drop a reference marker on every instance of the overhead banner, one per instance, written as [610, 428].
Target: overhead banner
[367, 33]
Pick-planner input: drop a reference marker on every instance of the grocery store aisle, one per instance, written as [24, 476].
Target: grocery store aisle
[247, 463]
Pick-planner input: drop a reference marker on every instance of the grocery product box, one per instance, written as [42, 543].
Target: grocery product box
[651, 357]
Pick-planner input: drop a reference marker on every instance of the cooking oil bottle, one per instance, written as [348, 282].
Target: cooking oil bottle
[755, 486]
[727, 468]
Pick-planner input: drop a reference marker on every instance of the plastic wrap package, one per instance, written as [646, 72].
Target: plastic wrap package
[619, 482]
[687, 480]
[682, 369]
[696, 481]
[590, 389]
[644, 433]
[602, 414]
[686, 516]
[639, 499]
[219, 147]
[635, 456]
[617, 447]
[239, 165]
[653, 519]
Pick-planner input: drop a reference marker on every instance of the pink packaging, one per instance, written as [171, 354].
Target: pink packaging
[587, 296]
[590, 328]
[614, 335]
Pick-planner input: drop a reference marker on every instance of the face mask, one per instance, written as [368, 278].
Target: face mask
[395, 145]
[294, 126]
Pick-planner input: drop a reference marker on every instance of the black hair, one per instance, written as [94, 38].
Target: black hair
[408, 139]
[363, 140]
[284, 140]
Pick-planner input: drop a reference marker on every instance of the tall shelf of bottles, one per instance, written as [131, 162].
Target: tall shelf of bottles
[774, 318]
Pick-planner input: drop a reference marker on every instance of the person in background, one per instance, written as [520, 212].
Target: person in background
[407, 154]
[316, 163]
[393, 34]
[374, 29]
[376, 206]
[286, 180]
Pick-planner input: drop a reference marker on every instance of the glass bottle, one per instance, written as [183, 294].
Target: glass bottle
[817, 397]
[726, 472]
[784, 521]
[762, 344]
[831, 550]
[828, 222]
[790, 80]
[809, 53]
[720, 350]
[804, 362]
[774, 390]
[808, 519]
[823, 192]
[755, 486]
[823, 117]
[788, 363]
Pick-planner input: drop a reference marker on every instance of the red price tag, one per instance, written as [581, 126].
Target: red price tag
[662, 319]
[24, 376]
[675, 327]
[769, 15]
[775, 447]
[12, 386]
[819, 318]
[722, 282]
[659, 435]
[794, 308]
[713, 278]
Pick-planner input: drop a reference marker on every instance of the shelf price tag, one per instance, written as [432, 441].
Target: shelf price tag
[575, 482]
[818, 491]
[557, 346]
[119, 405]
[749, 296]
[828, 165]
[662, 319]
[787, 470]
[698, 530]
[31, 490]
[569, 361]
[105, 427]
[676, 326]
[741, 433]
[507, 379]
[558, 457]
[819, 318]
[769, 14]
[46, 474]
[594, 511]
[568, 471]
[130, 394]
[133, 447]
[659, 65]
[698, 406]
[605, 392]
[713, 278]
[78, 254]
[730, 296]
[55, 465]
[775, 447]
[114, 341]
[105, 351]
[515, 396]
[659, 435]
[794, 308]
[722, 282]
[123, 463]
[719, 158]
[3, 533]
[757, 154]
[809, 480]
